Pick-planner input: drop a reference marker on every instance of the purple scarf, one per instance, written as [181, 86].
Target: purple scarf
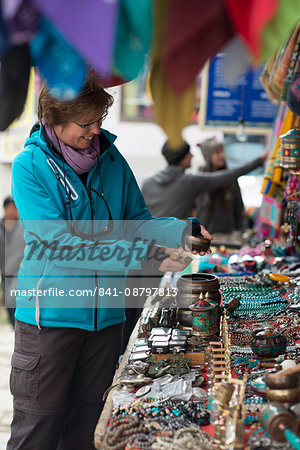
[80, 160]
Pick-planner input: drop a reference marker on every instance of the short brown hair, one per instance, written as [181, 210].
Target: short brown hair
[92, 100]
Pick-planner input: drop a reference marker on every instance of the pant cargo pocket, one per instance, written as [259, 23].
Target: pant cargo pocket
[24, 377]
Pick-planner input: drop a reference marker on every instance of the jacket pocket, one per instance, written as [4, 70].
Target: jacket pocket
[24, 377]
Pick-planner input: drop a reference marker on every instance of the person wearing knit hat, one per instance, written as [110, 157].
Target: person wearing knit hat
[221, 208]
[212, 148]
[171, 192]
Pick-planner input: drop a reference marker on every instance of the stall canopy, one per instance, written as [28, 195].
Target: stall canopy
[113, 37]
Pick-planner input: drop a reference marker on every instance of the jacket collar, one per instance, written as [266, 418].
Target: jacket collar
[39, 137]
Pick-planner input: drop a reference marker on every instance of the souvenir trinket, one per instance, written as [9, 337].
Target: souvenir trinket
[143, 391]
[195, 283]
[198, 243]
[223, 393]
[191, 287]
[288, 396]
[140, 341]
[142, 348]
[177, 337]
[177, 345]
[206, 317]
[290, 149]
[161, 338]
[279, 277]
[136, 368]
[138, 356]
[159, 331]
[266, 342]
[233, 304]
[159, 346]
[177, 332]
[168, 317]
[273, 416]
[281, 381]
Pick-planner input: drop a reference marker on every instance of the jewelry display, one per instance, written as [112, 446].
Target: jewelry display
[257, 331]
[184, 439]
[262, 440]
[120, 429]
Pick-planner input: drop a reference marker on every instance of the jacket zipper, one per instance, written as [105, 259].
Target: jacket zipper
[92, 218]
[92, 215]
[96, 276]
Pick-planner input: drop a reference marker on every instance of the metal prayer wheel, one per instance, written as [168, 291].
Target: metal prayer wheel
[206, 319]
[290, 149]
[223, 392]
[233, 304]
[275, 418]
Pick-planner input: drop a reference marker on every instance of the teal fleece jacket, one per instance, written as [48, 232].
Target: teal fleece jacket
[71, 279]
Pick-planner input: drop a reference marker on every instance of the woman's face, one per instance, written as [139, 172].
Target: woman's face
[78, 136]
[218, 158]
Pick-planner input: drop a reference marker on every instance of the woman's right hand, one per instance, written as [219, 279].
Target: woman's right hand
[174, 262]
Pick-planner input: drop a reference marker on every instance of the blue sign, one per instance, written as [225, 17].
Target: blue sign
[248, 100]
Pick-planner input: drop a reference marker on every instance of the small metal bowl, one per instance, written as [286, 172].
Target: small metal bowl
[195, 283]
[284, 395]
[278, 381]
[198, 243]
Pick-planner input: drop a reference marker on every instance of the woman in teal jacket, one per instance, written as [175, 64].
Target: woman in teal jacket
[85, 224]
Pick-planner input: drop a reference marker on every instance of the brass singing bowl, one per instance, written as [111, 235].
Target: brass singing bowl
[195, 283]
[278, 381]
[284, 395]
[198, 243]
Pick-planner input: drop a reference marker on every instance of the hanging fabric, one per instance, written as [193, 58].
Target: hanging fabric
[269, 219]
[194, 31]
[282, 69]
[5, 43]
[133, 37]
[267, 79]
[58, 62]
[291, 70]
[21, 20]
[293, 96]
[274, 171]
[249, 18]
[283, 23]
[89, 27]
[172, 112]
[14, 79]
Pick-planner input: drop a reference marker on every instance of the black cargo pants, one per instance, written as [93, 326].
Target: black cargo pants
[57, 379]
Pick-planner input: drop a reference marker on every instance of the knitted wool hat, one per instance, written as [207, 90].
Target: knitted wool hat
[174, 156]
[208, 147]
